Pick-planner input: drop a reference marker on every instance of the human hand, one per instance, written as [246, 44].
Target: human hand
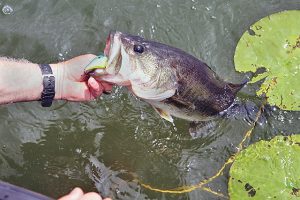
[77, 194]
[73, 84]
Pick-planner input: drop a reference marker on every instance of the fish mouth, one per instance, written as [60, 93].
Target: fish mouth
[108, 44]
[113, 52]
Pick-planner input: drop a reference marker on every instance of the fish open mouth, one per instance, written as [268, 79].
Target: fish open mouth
[108, 45]
[113, 52]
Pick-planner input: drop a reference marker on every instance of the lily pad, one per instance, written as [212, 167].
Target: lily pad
[267, 170]
[273, 43]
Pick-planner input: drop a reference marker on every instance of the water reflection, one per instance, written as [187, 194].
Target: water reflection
[7, 10]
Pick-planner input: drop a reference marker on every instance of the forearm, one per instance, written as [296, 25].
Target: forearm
[23, 81]
[20, 81]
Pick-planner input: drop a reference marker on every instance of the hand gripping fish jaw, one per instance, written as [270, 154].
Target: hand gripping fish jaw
[97, 66]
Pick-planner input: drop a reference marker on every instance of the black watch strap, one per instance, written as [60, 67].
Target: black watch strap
[49, 85]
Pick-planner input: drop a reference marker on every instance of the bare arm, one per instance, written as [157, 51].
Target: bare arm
[21, 80]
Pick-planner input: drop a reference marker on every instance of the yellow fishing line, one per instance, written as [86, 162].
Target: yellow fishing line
[249, 132]
[182, 190]
[186, 189]
[200, 185]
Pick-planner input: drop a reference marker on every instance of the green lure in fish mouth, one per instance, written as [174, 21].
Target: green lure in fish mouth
[100, 62]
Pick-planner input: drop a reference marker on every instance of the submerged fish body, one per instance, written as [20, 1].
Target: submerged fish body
[172, 81]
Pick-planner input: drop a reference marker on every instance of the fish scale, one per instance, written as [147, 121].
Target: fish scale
[174, 82]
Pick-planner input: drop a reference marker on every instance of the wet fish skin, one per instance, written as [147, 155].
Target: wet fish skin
[199, 87]
[174, 82]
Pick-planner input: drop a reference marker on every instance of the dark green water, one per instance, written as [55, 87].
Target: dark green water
[105, 145]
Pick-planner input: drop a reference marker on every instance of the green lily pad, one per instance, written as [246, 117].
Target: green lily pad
[267, 170]
[273, 43]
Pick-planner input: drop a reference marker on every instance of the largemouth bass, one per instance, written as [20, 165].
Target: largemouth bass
[172, 81]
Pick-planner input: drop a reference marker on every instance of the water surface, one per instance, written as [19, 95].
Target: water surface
[108, 144]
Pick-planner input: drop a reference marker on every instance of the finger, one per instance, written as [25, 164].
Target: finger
[95, 87]
[75, 194]
[75, 67]
[107, 87]
[91, 196]
[77, 91]
[84, 77]
[82, 60]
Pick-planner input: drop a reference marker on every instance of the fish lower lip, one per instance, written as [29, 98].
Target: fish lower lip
[119, 63]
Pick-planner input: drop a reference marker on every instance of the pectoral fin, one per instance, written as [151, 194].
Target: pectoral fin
[180, 102]
[164, 114]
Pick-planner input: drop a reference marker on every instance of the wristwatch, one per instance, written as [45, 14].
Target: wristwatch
[48, 92]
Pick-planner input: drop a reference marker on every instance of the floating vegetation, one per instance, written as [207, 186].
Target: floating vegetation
[267, 170]
[272, 46]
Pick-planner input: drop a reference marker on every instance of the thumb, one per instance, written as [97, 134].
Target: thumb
[75, 194]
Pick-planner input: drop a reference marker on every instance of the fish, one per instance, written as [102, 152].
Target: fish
[174, 82]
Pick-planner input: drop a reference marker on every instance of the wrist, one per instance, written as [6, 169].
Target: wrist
[58, 73]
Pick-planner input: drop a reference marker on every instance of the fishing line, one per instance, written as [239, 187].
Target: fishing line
[200, 185]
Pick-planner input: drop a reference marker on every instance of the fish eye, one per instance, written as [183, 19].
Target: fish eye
[138, 48]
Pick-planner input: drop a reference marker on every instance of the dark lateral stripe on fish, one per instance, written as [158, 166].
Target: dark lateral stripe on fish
[206, 108]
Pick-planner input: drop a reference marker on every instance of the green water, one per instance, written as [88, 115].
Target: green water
[108, 144]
